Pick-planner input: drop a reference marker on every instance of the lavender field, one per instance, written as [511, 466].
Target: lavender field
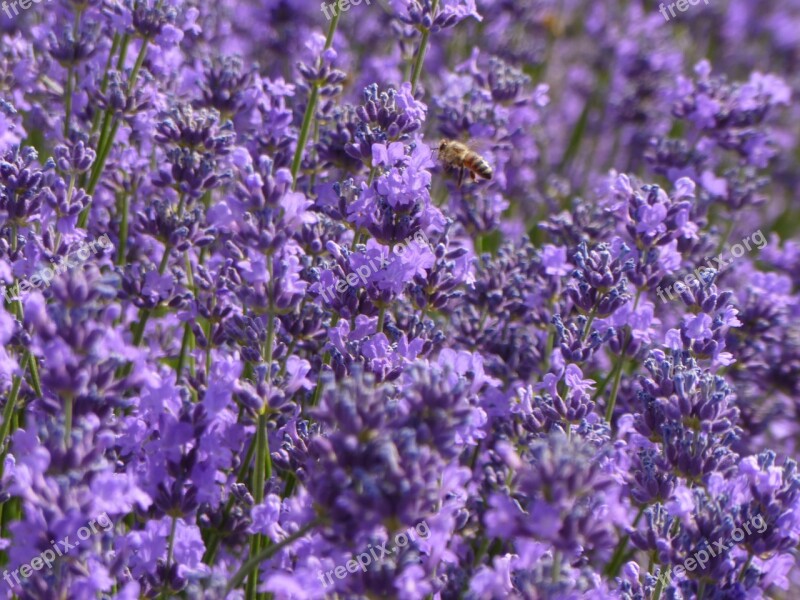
[405, 299]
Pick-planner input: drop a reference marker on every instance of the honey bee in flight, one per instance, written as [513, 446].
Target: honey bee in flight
[456, 155]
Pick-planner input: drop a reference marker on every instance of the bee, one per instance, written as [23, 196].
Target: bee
[553, 24]
[456, 155]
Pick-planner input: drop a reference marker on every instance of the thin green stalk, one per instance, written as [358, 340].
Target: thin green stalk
[270, 331]
[141, 325]
[9, 510]
[311, 108]
[556, 566]
[8, 413]
[104, 84]
[33, 368]
[381, 318]
[326, 360]
[660, 584]
[301, 142]
[123, 228]
[615, 388]
[746, 566]
[589, 322]
[619, 552]
[107, 139]
[123, 53]
[618, 373]
[170, 549]
[266, 553]
[138, 65]
[28, 360]
[187, 334]
[213, 544]
[423, 48]
[104, 149]
[262, 458]
[209, 346]
[139, 331]
[291, 480]
[188, 342]
[68, 404]
[262, 467]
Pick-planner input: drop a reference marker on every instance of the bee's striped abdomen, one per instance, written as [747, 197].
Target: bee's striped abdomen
[480, 166]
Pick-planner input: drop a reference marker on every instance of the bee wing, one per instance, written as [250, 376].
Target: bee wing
[484, 147]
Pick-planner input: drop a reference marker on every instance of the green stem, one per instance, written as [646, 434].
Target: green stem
[423, 48]
[746, 566]
[619, 552]
[123, 229]
[311, 108]
[68, 404]
[107, 139]
[660, 584]
[36, 383]
[138, 329]
[262, 458]
[123, 52]
[266, 553]
[291, 480]
[618, 374]
[103, 150]
[556, 566]
[381, 318]
[262, 467]
[211, 548]
[28, 358]
[138, 65]
[8, 412]
[615, 388]
[187, 334]
[326, 360]
[589, 322]
[139, 332]
[170, 548]
[209, 347]
[104, 85]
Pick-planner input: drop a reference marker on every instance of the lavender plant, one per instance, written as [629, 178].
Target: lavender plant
[310, 338]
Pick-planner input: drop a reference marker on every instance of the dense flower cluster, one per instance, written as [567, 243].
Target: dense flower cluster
[246, 423]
